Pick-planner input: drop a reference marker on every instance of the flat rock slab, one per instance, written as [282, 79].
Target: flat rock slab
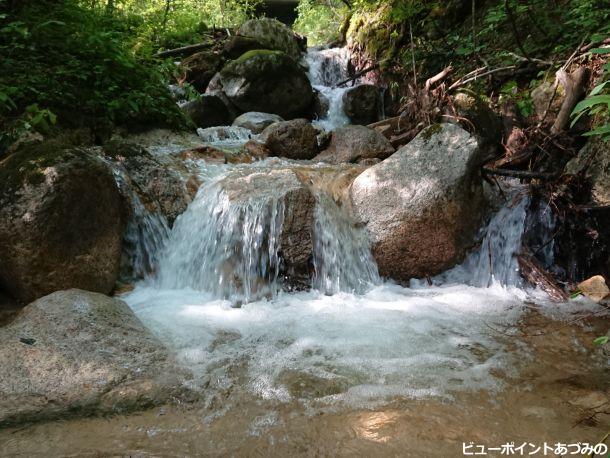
[79, 353]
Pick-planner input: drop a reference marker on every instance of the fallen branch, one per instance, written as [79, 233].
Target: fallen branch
[438, 77]
[535, 274]
[184, 50]
[531, 59]
[481, 75]
[357, 75]
[522, 174]
[574, 85]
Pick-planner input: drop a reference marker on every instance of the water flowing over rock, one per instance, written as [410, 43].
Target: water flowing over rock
[326, 68]
[362, 103]
[208, 111]
[240, 235]
[267, 81]
[80, 352]
[296, 139]
[61, 222]
[256, 121]
[272, 34]
[355, 144]
[422, 206]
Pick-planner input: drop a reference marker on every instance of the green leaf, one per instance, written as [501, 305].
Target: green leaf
[600, 51]
[602, 130]
[597, 89]
[603, 340]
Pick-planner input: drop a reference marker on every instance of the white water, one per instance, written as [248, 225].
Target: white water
[327, 67]
[361, 341]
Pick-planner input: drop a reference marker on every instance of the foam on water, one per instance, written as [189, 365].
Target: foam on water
[358, 340]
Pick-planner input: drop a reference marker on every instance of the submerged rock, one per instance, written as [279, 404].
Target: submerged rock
[256, 121]
[355, 144]
[361, 103]
[78, 353]
[296, 139]
[266, 81]
[272, 34]
[423, 205]
[207, 111]
[61, 221]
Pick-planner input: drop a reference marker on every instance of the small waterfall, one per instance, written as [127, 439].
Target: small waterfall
[224, 248]
[327, 67]
[146, 232]
[225, 136]
[342, 256]
[495, 261]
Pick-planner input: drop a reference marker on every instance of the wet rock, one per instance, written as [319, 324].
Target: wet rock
[256, 150]
[594, 288]
[78, 353]
[199, 68]
[272, 34]
[266, 81]
[593, 163]
[296, 239]
[158, 179]
[321, 104]
[296, 139]
[423, 205]
[207, 111]
[61, 221]
[256, 121]
[355, 144]
[361, 103]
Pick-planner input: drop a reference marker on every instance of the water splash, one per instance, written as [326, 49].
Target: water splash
[342, 255]
[147, 230]
[327, 67]
[228, 249]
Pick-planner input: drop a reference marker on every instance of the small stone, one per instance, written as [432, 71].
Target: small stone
[594, 288]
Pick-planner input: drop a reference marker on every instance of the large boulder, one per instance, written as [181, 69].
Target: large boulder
[266, 81]
[199, 68]
[361, 103]
[208, 111]
[272, 34]
[78, 353]
[236, 45]
[474, 114]
[256, 121]
[296, 139]
[423, 205]
[593, 163]
[355, 144]
[61, 221]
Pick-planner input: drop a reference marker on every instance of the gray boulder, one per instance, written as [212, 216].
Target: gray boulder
[272, 34]
[361, 103]
[265, 81]
[355, 144]
[61, 221]
[80, 353]
[256, 121]
[208, 111]
[296, 139]
[199, 68]
[423, 205]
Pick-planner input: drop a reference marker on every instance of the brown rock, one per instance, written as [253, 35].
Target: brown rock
[296, 139]
[199, 68]
[355, 144]
[61, 222]
[594, 288]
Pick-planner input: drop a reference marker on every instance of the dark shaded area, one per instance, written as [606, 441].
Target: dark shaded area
[283, 11]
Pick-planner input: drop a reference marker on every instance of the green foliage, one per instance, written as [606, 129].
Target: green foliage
[320, 21]
[597, 104]
[66, 65]
[522, 98]
[603, 340]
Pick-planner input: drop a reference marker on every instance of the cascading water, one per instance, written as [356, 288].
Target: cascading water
[328, 67]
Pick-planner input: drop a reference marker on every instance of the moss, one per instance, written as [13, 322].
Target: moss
[256, 53]
[431, 130]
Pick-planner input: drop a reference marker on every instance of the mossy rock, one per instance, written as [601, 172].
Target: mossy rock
[272, 34]
[267, 81]
[199, 68]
